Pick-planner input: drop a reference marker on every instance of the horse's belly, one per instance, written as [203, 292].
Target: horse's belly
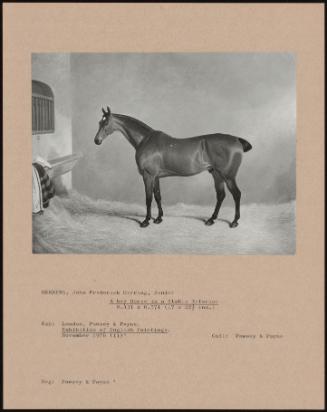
[182, 164]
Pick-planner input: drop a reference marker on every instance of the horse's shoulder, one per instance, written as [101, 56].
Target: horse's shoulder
[156, 138]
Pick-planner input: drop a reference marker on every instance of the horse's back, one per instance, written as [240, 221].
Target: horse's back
[159, 137]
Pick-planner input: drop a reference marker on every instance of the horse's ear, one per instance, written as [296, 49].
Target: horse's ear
[103, 111]
[108, 110]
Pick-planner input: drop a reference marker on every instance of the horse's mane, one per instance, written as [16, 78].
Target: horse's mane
[133, 119]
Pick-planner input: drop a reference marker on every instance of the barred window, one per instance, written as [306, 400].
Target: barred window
[42, 108]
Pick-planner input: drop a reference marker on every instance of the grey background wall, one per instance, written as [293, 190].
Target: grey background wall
[54, 69]
[249, 95]
[246, 94]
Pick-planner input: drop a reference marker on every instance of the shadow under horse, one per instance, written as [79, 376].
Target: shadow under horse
[160, 155]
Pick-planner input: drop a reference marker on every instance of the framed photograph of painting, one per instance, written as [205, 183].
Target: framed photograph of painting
[173, 257]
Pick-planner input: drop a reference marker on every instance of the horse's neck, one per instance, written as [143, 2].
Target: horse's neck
[134, 130]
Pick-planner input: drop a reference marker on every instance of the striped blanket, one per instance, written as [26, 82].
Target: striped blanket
[45, 186]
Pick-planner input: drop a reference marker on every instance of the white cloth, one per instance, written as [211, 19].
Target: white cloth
[37, 201]
[42, 162]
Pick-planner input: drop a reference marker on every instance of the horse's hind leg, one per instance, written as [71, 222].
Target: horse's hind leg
[236, 193]
[148, 183]
[157, 196]
[220, 190]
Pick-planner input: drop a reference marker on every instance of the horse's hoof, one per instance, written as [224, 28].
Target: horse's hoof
[145, 223]
[157, 220]
[209, 222]
[234, 224]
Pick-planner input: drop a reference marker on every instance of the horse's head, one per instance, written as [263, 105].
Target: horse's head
[105, 126]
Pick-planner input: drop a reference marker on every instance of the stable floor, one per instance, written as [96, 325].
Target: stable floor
[78, 224]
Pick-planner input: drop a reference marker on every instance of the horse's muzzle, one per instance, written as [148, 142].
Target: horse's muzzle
[98, 142]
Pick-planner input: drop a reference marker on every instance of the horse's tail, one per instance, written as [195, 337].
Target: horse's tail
[245, 144]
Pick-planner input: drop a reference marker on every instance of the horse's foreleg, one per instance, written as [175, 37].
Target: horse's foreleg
[220, 190]
[149, 184]
[236, 193]
[157, 196]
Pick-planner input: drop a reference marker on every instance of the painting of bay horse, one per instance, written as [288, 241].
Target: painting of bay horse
[159, 155]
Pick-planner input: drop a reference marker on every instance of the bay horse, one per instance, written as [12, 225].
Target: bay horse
[160, 155]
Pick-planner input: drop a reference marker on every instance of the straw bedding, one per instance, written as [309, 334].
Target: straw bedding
[75, 223]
